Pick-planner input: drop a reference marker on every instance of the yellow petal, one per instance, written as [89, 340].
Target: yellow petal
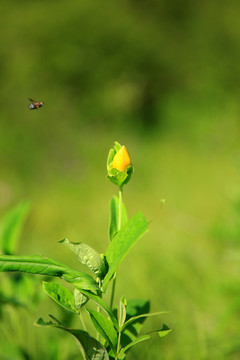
[121, 160]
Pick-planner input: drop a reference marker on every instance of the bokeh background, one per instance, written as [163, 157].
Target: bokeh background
[163, 78]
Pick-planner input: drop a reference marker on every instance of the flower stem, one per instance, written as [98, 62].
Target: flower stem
[120, 201]
[120, 208]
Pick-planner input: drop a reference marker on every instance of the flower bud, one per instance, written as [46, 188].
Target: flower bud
[121, 160]
[119, 165]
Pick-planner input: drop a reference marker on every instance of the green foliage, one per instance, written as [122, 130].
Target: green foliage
[122, 243]
[44, 266]
[11, 227]
[87, 256]
[120, 332]
[91, 348]
[105, 328]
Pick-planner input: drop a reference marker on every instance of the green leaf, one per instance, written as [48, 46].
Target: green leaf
[11, 227]
[99, 301]
[40, 265]
[136, 307]
[114, 216]
[79, 299]
[136, 341]
[122, 311]
[122, 243]
[163, 332]
[87, 256]
[64, 297]
[134, 318]
[105, 328]
[91, 348]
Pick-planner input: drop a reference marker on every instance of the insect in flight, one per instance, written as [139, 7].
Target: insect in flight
[35, 104]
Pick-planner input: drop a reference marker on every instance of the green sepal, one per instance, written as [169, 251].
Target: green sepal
[129, 171]
[91, 348]
[110, 158]
[117, 177]
[117, 146]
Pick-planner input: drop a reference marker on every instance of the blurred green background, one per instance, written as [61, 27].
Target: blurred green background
[163, 78]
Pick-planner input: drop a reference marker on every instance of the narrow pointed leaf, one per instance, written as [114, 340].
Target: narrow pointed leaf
[136, 341]
[134, 318]
[136, 307]
[114, 216]
[87, 256]
[91, 348]
[40, 265]
[122, 243]
[11, 227]
[105, 328]
[163, 332]
[63, 296]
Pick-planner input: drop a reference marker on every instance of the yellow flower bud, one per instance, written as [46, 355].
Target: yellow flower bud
[121, 160]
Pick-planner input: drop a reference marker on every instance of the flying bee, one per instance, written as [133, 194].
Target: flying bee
[35, 104]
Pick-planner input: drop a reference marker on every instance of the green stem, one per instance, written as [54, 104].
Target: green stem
[119, 227]
[118, 344]
[113, 291]
[82, 321]
[120, 208]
